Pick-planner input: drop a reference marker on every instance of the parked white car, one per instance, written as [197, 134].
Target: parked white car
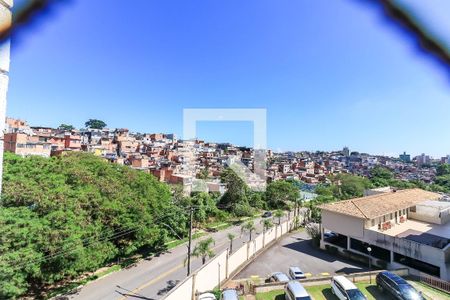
[295, 291]
[296, 273]
[344, 289]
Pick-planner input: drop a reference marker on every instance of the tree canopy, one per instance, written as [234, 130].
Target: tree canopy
[95, 124]
[63, 216]
[280, 192]
[66, 127]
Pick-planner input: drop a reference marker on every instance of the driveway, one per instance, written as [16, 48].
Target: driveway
[296, 250]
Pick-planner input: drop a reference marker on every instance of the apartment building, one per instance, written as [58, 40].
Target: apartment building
[407, 228]
[25, 145]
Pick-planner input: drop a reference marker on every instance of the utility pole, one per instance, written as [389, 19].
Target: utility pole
[191, 217]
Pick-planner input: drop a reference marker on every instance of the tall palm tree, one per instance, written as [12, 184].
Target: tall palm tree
[298, 203]
[290, 206]
[278, 214]
[267, 224]
[203, 249]
[231, 238]
[249, 227]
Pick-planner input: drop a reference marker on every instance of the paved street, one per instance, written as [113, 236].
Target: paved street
[296, 250]
[152, 279]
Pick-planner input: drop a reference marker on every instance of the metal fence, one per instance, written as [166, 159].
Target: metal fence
[433, 282]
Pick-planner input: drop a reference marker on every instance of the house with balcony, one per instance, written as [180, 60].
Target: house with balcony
[407, 228]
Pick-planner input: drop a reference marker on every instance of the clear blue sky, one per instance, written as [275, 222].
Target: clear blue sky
[329, 73]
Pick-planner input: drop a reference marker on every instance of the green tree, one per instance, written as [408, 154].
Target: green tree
[95, 124]
[66, 127]
[204, 250]
[280, 192]
[203, 174]
[443, 169]
[64, 216]
[257, 200]
[205, 206]
[381, 176]
[267, 224]
[279, 214]
[235, 198]
[248, 227]
[346, 186]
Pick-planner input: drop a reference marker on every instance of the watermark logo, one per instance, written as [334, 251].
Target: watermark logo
[253, 175]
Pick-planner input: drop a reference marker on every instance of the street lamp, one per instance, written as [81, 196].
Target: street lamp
[369, 250]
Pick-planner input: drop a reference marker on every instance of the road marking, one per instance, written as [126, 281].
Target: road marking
[308, 274]
[325, 274]
[154, 280]
[167, 273]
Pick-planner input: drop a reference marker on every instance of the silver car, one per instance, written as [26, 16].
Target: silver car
[296, 273]
[295, 291]
[278, 277]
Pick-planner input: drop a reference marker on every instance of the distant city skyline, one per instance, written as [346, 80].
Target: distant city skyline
[327, 80]
[245, 131]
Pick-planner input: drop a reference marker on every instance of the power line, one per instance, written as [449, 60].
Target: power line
[83, 245]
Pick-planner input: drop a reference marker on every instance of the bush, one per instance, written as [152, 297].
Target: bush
[243, 210]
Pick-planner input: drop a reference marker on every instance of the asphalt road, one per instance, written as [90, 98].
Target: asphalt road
[295, 249]
[152, 279]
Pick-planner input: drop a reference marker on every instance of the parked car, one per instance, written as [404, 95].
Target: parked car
[296, 273]
[295, 291]
[230, 294]
[206, 296]
[329, 234]
[343, 288]
[267, 214]
[278, 277]
[397, 286]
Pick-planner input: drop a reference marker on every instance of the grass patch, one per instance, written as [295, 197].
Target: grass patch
[272, 295]
[371, 291]
[429, 290]
[216, 226]
[320, 292]
[108, 271]
[176, 243]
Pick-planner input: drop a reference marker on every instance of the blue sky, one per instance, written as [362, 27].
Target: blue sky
[329, 73]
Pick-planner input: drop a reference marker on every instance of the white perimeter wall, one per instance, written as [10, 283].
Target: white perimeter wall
[219, 269]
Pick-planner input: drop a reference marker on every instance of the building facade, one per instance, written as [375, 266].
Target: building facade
[408, 228]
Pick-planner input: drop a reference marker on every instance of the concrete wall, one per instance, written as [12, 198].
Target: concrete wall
[346, 225]
[259, 242]
[430, 214]
[425, 253]
[212, 273]
[270, 236]
[222, 266]
[237, 258]
[183, 291]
